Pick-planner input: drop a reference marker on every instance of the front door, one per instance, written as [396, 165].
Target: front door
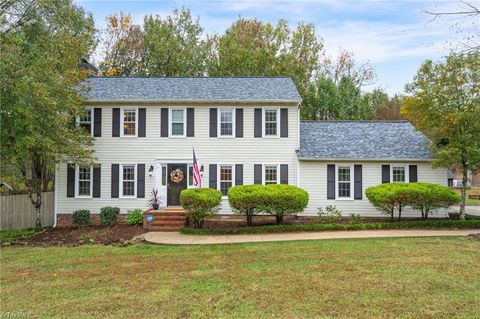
[177, 177]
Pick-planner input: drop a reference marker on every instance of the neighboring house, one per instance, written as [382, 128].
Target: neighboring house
[473, 179]
[245, 130]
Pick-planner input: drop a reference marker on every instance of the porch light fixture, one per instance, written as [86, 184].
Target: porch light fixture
[150, 171]
[202, 168]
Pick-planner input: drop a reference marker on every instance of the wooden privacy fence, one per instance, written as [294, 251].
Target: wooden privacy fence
[17, 211]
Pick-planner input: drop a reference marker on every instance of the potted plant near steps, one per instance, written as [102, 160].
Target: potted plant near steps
[154, 199]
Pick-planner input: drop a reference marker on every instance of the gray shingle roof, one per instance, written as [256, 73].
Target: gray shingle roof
[193, 88]
[362, 140]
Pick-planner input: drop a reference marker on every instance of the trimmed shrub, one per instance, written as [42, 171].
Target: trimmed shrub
[81, 217]
[428, 197]
[354, 219]
[200, 203]
[330, 215]
[389, 198]
[108, 216]
[134, 217]
[247, 200]
[282, 200]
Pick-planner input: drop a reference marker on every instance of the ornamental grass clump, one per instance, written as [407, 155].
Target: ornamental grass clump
[200, 203]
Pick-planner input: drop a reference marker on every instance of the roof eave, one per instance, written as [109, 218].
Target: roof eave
[193, 102]
[360, 159]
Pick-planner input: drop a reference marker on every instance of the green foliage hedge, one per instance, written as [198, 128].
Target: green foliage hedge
[108, 216]
[200, 203]
[81, 217]
[427, 224]
[276, 199]
[425, 197]
[134, 217]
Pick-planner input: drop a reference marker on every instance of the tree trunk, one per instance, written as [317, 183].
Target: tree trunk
[391, 216]
[279, 219]
[249, 219]
[399, 213]
[464, 193]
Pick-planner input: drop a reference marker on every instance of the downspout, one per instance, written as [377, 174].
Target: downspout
[298, 144]
[55, 197]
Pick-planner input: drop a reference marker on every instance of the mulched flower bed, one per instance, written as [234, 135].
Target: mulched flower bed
[115, 235]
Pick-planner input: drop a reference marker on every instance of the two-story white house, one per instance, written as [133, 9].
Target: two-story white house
[244, 130]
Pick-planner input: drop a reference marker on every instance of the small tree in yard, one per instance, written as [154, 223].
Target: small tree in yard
[389, 198]
[247, 200]
[444, 103]
[200, 203]
[40, 89]
[427, 197]
[283, 200]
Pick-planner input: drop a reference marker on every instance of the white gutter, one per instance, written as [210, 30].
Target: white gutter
[355, 159]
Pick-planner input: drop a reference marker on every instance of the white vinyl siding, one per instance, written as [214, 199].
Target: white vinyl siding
[247, 151]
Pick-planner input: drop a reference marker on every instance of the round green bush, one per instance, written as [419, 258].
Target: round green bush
[134, 217]
[247, 200]
[200, 203]
[108, 216]
[428, 197]
[388, 198]
[81, 217]
[282, 200]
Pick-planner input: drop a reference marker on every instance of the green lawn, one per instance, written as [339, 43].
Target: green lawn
[366, 278]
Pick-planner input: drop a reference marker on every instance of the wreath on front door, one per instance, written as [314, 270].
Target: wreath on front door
[176, 176]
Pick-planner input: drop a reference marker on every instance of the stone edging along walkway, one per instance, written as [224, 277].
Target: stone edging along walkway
[176, 238]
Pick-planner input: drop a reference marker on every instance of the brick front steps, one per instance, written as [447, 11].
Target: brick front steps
[165, 219]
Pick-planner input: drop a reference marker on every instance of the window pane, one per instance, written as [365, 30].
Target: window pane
[343, 189]
[398, 174]
[128, 188]
[224, 186]
[129, 172]
[190, 175]
[129, 115]
[270, 174]
[177, 116]
[226, 129]
[344, 174]
[84, 188]
[84, 173]
[226, 115]
[270, 128]
[128, 128]
[87, 116]
[164, 175]
[177, 128]
[270, 115]
[270, 122]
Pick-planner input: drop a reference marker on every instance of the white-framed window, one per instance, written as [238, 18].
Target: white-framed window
[85, 120]
[226, 118]
[344, 179]
[129, 122]
[270, 174]
[399, 173]
[128, 180]
[178, 122]
[164, 175]
[84, 181]
[271, 122]
[225, 177]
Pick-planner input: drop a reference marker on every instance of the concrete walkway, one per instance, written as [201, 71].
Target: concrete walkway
[175, 238]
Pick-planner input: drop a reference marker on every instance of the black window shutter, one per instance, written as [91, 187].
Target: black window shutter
[97, 122]
[238, 174]
[257, 174]
[70, 180]
[412, 173]
[257, 131]
[142, 122]
[283, 173]
[357, 179]
[97, 180]
[164, 122]
[283, 122]
[190, 122]
[239, 123]
[115, 122]
[213, 122]
[385, 174]
[212, 176]
[115, 181]
[140, 180]
[330, 181]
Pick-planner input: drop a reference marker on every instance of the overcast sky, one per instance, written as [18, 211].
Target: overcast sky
[393, 36]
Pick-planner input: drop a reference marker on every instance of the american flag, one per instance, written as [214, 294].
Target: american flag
[197, 180]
